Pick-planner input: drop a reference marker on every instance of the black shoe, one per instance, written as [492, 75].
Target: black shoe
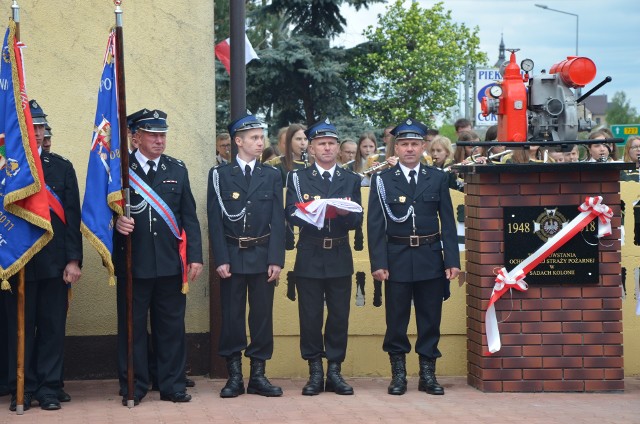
[49, 403]
[189, 382]
[155, 387]
[26, 404]
[335, 383]
[176, 397]
[315, 385]
[398, 385]
[63, 396]
[428, 382]
[235, 384]
[259, 384]
[125, 400]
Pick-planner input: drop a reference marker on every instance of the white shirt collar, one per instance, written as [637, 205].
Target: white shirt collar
[243, 164]
[321, 170]
[406, 171]
[142, 160]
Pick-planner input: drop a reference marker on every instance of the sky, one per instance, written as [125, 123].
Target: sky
[609, 34]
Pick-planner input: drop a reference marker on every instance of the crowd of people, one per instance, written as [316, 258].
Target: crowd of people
[412, 244]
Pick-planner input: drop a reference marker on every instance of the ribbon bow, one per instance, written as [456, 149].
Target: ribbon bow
[595, 206]
[505, 281]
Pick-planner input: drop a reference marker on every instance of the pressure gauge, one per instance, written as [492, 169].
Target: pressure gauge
[526, 65]
[495, 91]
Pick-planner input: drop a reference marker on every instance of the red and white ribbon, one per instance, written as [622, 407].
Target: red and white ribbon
[591, 209]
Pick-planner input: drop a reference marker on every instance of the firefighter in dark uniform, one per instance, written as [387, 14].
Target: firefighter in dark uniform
[413, 253]
[157, 263]
[47, 276]
[324, 264]
[246, 231]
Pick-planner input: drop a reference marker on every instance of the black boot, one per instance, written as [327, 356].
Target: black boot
[258, 383]
[335, 382]
[428, 382]
[235, 385]
[315, 385]
[398, 385]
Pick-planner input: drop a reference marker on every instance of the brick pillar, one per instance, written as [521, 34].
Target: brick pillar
[565, 337]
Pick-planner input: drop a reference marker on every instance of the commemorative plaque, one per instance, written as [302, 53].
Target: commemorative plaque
[526, 229]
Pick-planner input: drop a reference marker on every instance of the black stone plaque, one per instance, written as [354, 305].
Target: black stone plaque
[526, 229]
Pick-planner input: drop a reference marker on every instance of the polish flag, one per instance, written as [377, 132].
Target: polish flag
[223, 52]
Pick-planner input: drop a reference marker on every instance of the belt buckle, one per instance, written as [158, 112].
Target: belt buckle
[414, 241]
[327, 243]
[242, 240]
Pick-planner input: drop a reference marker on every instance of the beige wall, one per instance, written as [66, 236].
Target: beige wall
[168, 46]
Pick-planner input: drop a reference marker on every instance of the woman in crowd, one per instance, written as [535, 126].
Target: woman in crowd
[631, 154]
[600, 152]
[295, 152]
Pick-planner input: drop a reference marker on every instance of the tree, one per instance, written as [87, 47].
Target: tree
[414, 63]
[620, 111]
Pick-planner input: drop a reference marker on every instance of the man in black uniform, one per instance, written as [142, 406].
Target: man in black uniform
[47, 275]
[405, 249]
[324, 264]
[158, 267]
[246, 231]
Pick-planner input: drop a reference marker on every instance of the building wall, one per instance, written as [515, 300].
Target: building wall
[168, 47]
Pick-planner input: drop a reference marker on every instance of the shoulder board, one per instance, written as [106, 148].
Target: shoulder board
[349, 171]
[269, 168]
[384, 171]
[274, 161]
[174, 160]
[57, 156]
[221, 165]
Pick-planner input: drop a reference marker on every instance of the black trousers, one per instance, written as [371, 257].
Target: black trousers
[233, 298]
[312, 293]
[167, 304]
[427, 300]
[45, 318]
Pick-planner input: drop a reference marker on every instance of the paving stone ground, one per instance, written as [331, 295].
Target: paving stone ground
[96, 401]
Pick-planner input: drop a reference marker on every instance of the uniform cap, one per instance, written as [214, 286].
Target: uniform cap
[247, 122]
[148, 120]
[322, 129]
[37, 114]
[410, 129]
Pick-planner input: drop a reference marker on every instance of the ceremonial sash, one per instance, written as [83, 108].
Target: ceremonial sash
[165, 212]
[56, 205]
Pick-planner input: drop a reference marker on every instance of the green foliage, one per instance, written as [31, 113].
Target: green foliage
[414, 61]
[620, 112]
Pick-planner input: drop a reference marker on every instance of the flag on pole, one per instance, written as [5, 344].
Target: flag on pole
[25, 221]
[103, 190]
[223, 52]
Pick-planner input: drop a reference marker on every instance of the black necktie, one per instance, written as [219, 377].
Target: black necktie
[412, 181]
[151, 173]
[247, 174]
[326, 179]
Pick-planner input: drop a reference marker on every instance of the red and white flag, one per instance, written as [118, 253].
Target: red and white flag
[223, 52]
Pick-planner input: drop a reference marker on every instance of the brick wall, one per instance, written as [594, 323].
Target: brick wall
[563, 337]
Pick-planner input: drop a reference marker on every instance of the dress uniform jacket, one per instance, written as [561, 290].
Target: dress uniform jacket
[264, 216]
[312, 260]
[66, 244]
[434, 214]
[155, 248]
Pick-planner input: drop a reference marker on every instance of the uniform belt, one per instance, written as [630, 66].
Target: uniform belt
[415, 241]
[244, 242]
[326, 243]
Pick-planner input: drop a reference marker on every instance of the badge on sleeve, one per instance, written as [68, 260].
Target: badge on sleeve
[316, 197]
[305, 196]
[402, 199]
[235, 195]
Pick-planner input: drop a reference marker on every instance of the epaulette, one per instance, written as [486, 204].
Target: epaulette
[57, 156]
[384, 171]
[174, 160]
[220, 165]
[270, 168]
[274, 161]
